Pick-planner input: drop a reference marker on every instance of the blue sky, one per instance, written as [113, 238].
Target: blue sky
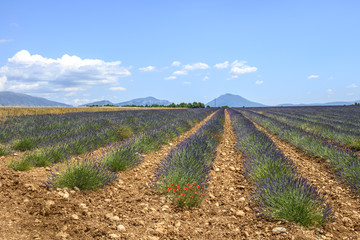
[271, 52]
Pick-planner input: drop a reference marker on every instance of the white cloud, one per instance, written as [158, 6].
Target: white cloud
[222, 65]
[205, 78]
[176, 64]
[147, 69]
[3, 80]
[330, 91]
[313, 76]
[5, 40]
[26, 86]
[239, 67]
[117, 89]
[180, 72]
[352, 86]
[259, 82]
[170, 78]
[25, 71]
[196, 66]
[187, 83]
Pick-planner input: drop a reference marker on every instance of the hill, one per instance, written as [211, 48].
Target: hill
[19, 99]
[144, 101]
[232, 100]
[98, 103]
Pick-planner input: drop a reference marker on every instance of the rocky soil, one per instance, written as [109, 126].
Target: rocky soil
[130, 209]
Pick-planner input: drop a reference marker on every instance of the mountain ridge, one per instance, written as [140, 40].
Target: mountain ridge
[232, 100]
[19, 99]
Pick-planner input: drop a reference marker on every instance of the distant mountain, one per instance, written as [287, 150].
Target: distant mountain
[232, 100]
[99, 103]
[318, 104]
[144, 101]
[19, 99]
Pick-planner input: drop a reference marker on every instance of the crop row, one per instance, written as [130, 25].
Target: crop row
[337, 134]
[345, 118]
[184, 174]
[89, 141]
[121, 156]
[280, 191]
[28, 132]
[345, 162]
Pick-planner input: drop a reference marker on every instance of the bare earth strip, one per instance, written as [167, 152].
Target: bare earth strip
[30, 211]
[342, 199]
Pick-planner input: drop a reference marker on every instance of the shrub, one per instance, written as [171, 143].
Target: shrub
[84, 174]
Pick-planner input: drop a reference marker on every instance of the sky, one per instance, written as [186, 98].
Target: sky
[271, 52]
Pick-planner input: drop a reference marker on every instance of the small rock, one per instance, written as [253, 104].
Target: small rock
[242, 199]
[107, 200]
[83, 205]
[232, 168]
[120, 228]
[211, 196]
[66, 195]
[48, 169]
[61, 235]
[30, 186]
[178, 224]
[113, 235]
[347, 221]
[153, 238]
[279, 230]
[160, 230]
[240, 213]
[49, 203]
[231, 189]
[217, 169]
[75, 217]
[247, 209]
[15, 154]
[241, 187]
[76, 189]
[114, 218]
[171, 144]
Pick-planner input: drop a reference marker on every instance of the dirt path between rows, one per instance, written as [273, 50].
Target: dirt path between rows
[31, 211]
[341, 198]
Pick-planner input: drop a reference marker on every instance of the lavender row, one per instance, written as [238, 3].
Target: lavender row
[346, 163]
[341, 117]
[281, 192]
[128, 154]
[190, 163]
[28, 132]
[94, 173]
[341, 136]
[91, 140]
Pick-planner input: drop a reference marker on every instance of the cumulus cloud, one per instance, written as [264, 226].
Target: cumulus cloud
[196, 66]
[205, 78]
[313, 76]
[259, 82]
[170, 78]
[240, 67]
[180, 72]
[117, 89]
[147, 69]
[352, 86]
[176, 64]
[24, 71]
[222, 65]
[3, 80]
